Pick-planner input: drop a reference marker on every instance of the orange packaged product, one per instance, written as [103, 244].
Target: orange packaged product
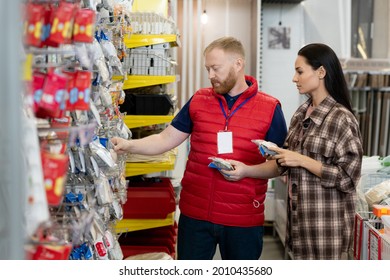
[379, 210]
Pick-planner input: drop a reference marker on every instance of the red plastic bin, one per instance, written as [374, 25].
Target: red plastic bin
[151, 241]
[151, 199]
[162, 232]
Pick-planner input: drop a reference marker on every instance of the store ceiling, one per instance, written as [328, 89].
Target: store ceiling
[281, 1]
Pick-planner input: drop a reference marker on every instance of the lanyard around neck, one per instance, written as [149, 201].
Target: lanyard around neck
[229, 114]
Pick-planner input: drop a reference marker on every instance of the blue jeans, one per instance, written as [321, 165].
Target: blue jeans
[197, 240]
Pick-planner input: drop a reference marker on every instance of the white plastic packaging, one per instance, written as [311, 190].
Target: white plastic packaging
[386, 223]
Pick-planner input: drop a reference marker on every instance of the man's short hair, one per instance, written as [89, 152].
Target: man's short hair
[227, 44]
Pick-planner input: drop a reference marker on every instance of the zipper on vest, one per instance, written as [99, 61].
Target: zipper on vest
[227, 120]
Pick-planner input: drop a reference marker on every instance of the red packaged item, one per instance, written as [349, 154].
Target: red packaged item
[50, 252]
[53, 100]
[54, 168]
[38, 81]
[84, 24]
[62, 132]
[47, 19]
[79, 88]
[100, 248]
[34, 19]
[83, 85]
[62, 24]
[71, 89]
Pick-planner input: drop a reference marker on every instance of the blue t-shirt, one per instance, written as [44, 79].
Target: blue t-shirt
[276, 133]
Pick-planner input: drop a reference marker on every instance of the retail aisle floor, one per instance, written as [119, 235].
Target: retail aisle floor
[273, 248]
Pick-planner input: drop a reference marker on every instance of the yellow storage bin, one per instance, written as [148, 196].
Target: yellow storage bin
[127, 225]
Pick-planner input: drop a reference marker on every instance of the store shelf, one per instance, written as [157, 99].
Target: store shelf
[136, 81]
[133, 121]
[128, 225]
[141, 168]
[141, 40]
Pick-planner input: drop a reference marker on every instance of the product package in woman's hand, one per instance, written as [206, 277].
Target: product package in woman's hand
[264, 147]
[220, 163]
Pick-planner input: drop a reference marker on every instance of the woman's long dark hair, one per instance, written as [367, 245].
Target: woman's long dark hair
[318, 55]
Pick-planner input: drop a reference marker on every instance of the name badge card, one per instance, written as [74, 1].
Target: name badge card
[225, 142]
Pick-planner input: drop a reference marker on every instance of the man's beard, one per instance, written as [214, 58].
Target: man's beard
[226, 85]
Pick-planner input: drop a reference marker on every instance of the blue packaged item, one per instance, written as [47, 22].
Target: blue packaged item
[264, 147]
[220, 164]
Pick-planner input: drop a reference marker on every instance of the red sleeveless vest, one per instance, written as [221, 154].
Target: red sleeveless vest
[205, 194]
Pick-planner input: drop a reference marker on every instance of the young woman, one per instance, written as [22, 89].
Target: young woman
[322, 160]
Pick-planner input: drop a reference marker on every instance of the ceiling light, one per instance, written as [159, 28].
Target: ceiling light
[204, 17]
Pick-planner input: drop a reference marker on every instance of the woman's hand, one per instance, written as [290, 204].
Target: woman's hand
[287, 158]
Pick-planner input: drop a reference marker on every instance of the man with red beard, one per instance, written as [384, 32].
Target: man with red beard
[222, 120]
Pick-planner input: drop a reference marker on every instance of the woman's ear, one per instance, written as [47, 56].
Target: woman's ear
[321, 72]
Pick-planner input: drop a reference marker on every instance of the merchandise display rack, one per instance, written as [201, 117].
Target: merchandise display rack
[369, 86]
[70, 97]
[86, 219]
[140, 75]
[369, 240]
[143, 40]
[139, 81]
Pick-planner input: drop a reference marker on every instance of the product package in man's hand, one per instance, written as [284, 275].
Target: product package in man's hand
[264, 147]
[220, 163]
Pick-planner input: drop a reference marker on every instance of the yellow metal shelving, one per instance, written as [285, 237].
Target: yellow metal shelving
[133, 121]
[137, 81]
[128, 225]
[142, 40]
[141, 168]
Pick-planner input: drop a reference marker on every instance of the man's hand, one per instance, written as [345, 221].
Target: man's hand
[121, 145]
[237, 173]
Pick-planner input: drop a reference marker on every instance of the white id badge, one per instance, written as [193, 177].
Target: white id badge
[225, 142]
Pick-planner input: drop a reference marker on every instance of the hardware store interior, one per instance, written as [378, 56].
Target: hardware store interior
[125, 68]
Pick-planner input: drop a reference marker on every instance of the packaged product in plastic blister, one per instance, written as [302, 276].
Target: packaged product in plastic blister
[220, 163]
[264, 147]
